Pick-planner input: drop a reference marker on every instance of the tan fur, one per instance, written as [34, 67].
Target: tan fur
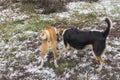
[59, 32]
[49, 43]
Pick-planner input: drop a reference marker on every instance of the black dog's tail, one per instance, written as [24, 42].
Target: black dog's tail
[109, 23]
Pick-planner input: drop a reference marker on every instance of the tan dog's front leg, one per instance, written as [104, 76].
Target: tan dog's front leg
[42, 63]
[55, 54]
[43, 51]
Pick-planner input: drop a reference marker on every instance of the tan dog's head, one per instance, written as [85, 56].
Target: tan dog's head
[43, 35]
[59, 32]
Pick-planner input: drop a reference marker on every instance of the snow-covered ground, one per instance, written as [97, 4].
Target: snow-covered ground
[12, 15]
[107, 7]
[19, 59]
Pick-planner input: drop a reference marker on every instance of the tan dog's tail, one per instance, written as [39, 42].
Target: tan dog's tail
[51, 32]
[48, 34]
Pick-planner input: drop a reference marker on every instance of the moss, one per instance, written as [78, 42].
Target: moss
[8, 55]
[31, 56]
[77, 20]
[13, 49]
[36, 24]
[9, 29]
[60, 70]
[63, 64]
[22, 37]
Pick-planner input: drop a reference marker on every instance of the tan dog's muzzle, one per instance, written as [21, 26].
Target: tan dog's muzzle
[59, 34]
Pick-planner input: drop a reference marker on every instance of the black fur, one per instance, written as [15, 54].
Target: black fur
[79, 39]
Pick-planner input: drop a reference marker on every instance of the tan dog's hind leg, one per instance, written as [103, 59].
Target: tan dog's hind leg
[43, 51]
[55, 54]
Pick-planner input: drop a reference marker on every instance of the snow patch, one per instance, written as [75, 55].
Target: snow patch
[10, 15]
[44, 71]
[117, 56]
[103, 6]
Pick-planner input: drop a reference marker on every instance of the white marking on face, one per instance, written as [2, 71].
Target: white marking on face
[64, 31]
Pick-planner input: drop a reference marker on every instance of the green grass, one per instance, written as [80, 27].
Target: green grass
[8, 55]
[9, 29]
[63, 64]
[82, 19]
[36, 24]
[22, 37]
[78, 20]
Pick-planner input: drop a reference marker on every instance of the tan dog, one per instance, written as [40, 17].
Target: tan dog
[48, 36]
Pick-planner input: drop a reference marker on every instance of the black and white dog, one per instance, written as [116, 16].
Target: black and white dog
[80, 39]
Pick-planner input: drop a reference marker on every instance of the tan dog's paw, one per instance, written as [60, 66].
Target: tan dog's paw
[59, 56]
[98, 70]
[55, 63]
[40, 67]
[42, 63]
[56, 66]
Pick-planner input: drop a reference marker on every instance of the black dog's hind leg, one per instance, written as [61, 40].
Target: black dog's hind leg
[99, 49]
